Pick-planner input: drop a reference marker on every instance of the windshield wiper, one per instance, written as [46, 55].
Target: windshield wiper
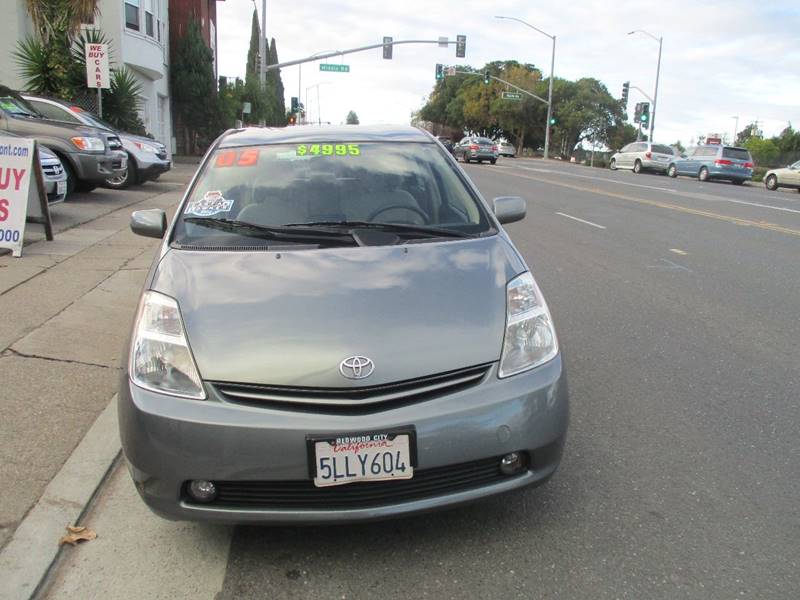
[269, 232]
[392, 227]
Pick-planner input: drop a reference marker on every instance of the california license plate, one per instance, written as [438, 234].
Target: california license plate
[362, 457]
[61, 187]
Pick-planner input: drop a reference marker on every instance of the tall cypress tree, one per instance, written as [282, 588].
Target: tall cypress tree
[251, 71]
[275, 84]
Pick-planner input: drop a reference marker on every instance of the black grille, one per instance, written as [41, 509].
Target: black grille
[358, 400]
[162, 153]
[52, 170]
[426, 483]
[114, 143]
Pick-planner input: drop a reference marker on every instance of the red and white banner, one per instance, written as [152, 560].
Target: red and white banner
[16, 162]
[97, 66]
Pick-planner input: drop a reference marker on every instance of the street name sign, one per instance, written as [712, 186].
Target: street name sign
[512, 96]
[97, 72]
[334, 68]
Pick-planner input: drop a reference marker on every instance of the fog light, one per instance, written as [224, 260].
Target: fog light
[202, 490]
[512, 463]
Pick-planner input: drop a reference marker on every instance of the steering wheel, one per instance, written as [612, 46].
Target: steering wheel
[413, 209]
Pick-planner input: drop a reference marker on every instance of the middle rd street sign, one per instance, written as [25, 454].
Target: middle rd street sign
[512, 96]
[334, 68]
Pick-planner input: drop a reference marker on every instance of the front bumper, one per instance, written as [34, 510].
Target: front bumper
[99, 167]
[168, 441]
[150, 170]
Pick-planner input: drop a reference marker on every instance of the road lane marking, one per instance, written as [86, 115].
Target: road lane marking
[581, 220]
[670, 266]
[666, 205]
[790, 210]
[676, 251]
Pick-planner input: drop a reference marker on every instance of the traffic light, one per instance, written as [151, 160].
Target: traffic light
[644, 118]
[625, 89]
[291, 120]
[486, 77]
[461, 46]
[295, 104]
[387, 47]
[637, 113]
[553, 121]
[439, 72]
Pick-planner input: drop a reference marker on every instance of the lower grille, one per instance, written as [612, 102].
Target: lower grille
[426, 483]
[358, 400]
[52, 170]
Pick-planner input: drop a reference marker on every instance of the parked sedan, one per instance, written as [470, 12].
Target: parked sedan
[147, 158]
[476, 148]
[337, 328]
[714, 161]
[788, 177]
[643, 156]
[504, 148]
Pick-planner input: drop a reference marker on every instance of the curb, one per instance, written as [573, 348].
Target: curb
[33, 549]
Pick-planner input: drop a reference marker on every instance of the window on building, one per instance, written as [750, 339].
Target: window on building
[158, 19]
[132, 14]
[149, 17]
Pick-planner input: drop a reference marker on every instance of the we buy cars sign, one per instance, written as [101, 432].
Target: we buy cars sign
[16, 162]
[97, 66]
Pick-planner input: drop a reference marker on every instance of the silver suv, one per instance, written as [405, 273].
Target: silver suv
[640, 156]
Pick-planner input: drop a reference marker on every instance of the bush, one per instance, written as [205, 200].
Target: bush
[759, 172]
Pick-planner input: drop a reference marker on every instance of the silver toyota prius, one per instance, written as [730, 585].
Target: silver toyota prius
[336, 328]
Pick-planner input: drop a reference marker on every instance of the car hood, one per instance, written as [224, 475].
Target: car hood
[290, 318]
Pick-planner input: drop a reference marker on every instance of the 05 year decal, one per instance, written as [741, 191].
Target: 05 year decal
[328, 150]
[232, 158]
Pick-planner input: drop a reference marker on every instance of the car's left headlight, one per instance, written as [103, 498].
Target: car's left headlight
[146, 147]
[530, 338]
[160, 357]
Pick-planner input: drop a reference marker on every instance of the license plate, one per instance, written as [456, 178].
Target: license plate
[123, 162]
[61, 187]
[349, 458]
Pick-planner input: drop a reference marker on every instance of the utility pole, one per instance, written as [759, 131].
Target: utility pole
[735, 128]
[262, 44]
[660, 41]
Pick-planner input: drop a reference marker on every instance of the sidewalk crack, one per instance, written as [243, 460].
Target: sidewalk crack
[12, 352]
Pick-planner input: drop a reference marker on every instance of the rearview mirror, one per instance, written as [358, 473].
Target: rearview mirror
[149, 223]
[508, 209]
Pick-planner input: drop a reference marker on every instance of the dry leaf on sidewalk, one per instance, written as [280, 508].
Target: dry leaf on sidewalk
[77, 534]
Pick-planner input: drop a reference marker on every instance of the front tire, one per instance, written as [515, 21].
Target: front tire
[772, 183]
[72, 179]
[494, 160]
[637, 166]
[672, 171]
[703, 174]
[613, 164]
[122, 182]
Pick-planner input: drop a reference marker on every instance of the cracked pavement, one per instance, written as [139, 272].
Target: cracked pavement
[67, 306]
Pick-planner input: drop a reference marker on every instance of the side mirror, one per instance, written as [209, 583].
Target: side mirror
[508, 209]
[149, 223]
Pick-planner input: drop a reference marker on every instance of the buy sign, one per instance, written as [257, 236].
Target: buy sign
[16, 162]
[97, 66]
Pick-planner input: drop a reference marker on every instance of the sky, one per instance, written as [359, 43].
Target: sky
[720, 58]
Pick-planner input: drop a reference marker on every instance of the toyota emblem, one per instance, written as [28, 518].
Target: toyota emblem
[356, 367]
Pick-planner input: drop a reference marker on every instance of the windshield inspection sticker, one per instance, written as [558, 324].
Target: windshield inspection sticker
[211, 204]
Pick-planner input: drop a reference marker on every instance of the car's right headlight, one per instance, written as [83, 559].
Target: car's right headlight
[146, 147]
[160, 357]
[89, 144]
[530, 338]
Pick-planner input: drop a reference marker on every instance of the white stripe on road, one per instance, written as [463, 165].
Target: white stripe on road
[791, 210]
[581, 220]
[676, 251]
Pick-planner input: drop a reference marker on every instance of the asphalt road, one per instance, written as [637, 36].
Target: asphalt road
[676, 304]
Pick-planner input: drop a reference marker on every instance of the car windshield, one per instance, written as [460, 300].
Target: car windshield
[661, 149]
[332, 183]
[736, 153]
[96, 121]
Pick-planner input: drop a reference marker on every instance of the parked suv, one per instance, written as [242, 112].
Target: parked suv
[476, 148]
[147, 158]
[640, 156]
[89, 155]
[714, 161]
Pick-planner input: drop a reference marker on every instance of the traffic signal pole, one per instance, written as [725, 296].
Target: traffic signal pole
[549, 102]
[508, 83]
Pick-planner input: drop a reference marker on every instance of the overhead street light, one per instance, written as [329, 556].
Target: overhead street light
[550, 90]
[660, 41]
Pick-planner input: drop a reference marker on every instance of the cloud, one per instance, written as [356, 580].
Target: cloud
[720, 57]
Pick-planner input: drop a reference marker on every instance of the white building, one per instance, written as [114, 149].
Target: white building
[139, 35]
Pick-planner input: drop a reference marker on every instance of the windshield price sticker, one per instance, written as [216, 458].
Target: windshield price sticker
[328, 150]
[212, 203]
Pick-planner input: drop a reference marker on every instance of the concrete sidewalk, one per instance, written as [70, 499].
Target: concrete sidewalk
[67, 307]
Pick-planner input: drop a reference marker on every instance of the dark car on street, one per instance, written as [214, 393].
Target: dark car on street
[337, 328]
[476, 148]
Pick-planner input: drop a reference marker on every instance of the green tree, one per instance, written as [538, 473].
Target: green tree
[750, 131]
[765, 152]
[352, 118]
[275, 85]
[194, 91]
